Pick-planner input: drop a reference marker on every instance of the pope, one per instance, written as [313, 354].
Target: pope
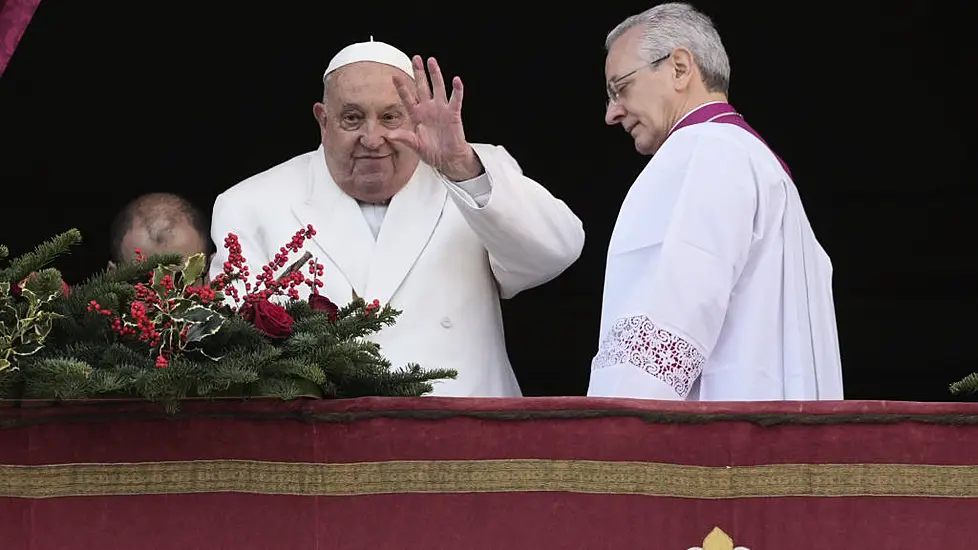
[409, 212]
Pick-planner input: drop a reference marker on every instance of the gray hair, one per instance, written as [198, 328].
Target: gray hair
[674, 25]
[326, 80]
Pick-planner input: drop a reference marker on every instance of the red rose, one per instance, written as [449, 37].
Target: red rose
[272, 319]
[318, 302]
[15, 290]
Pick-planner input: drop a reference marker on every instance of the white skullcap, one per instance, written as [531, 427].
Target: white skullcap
[378, 52]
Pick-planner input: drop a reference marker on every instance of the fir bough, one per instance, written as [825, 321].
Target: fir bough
[151, 329]
[965, 386]
[28, 293]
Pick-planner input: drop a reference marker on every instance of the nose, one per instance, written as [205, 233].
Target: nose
[373, 136]
[613, 114]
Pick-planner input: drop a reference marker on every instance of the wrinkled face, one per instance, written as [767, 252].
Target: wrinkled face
[362, 108]
[647, 98]
[183, 240]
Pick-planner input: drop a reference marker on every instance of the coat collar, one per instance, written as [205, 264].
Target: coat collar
[375, 269]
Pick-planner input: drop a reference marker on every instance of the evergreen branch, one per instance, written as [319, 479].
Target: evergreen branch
[134, 270]
[967, 385]
[58, 379]
[11, 384]
[44, 255]
[4, 252]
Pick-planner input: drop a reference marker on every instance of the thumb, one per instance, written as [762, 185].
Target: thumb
[404, 137]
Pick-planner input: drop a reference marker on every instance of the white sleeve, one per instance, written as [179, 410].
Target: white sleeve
[658, 346]
[531, 236]
[477, 190]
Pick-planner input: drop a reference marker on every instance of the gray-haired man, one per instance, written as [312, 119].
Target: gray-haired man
[715, 286]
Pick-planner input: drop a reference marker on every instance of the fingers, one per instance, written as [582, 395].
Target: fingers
[420, 78]
[456, 102]
[437, 80]
[405, 92]
[424, 91]
[405, 137]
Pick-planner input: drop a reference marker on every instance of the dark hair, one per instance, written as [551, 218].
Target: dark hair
[158, 213]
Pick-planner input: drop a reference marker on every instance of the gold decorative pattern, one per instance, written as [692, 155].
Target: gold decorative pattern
[475, 476]
[718, 540]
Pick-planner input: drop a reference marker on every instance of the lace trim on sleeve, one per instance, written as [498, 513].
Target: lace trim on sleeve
[640, 342]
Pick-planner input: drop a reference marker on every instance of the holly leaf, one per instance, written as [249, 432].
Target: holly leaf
[4, 364]
[33, 301]
[159, 274]
[193, 268]
[199, 331]
[179, 308]
[27, 348]
[43, 324]
[192, 313]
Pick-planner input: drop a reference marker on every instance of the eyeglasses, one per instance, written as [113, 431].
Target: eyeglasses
[614, 91]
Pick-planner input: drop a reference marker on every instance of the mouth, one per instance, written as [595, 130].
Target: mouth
[370, 157]
[630, 128]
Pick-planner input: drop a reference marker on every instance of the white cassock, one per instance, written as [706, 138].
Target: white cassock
[442, 253]
[715, 287]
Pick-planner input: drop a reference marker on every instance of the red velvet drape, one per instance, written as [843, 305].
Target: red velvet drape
[487, 474]
[14, 17]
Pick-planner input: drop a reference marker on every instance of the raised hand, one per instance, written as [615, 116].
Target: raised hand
[435, 131]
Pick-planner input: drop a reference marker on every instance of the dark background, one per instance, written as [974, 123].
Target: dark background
[105, 101]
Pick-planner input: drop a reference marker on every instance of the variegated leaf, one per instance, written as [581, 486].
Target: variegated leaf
[209, 327]
[193, 268]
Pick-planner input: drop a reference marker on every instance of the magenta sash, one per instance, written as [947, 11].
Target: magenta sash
[723, 113]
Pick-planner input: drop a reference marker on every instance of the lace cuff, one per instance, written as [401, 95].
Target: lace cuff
[640, 342]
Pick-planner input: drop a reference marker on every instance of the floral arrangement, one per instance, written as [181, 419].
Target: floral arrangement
[155, 329]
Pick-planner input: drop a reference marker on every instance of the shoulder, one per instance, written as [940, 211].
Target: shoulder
[489, 149]
[707, 138]
[491, 152]
[280, 180]
[725, 147]
[708, 160]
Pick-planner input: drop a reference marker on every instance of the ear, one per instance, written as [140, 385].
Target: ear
[319, 112]
[682, 68]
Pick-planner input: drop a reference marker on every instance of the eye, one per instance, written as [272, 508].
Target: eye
[391, 119]
[351, 118]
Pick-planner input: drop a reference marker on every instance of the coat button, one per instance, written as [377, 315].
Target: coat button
[446, 322]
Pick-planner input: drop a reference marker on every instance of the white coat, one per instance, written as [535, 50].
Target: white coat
[439, 257]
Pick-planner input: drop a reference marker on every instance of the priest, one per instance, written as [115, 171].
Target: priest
[408, 212]
[716, 288]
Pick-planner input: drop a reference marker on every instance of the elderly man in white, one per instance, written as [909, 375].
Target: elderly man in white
[715, 288]
[408, 212]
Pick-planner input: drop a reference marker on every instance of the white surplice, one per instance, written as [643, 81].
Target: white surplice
[443, 253]
[715, 286]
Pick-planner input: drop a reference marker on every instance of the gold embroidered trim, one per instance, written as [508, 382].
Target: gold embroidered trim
[476, 476]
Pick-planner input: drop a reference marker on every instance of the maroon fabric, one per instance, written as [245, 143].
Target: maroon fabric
[461, 437]
[481, 521]
[369, 430]
[14, 17]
